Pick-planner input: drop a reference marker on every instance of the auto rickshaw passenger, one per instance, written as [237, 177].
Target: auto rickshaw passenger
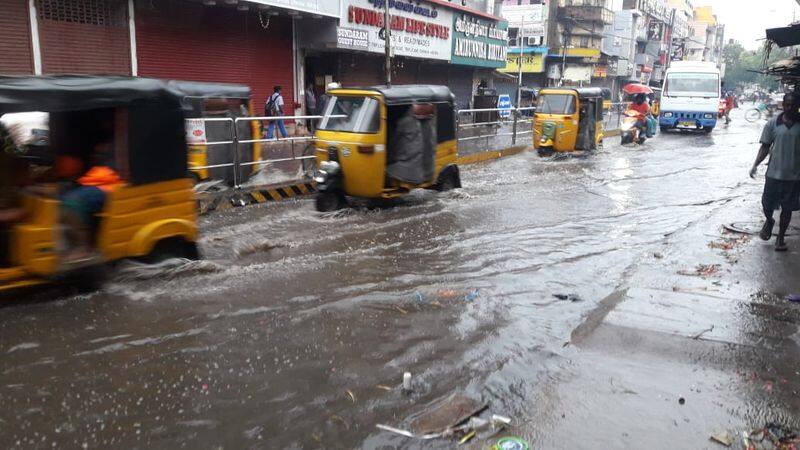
[412, 154]
[81, 204]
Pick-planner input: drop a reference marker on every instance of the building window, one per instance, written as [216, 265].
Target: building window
[104, 13]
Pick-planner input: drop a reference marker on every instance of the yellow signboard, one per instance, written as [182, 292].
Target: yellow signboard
[580, 52]
[530, 63]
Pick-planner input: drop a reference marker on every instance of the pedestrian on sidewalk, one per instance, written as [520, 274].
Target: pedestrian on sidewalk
[274, 108]
[311, 106]
[781, 141]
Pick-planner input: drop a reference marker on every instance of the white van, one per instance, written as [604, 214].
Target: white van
[690, 99]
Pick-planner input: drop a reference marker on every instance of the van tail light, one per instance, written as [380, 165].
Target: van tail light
[368, 149]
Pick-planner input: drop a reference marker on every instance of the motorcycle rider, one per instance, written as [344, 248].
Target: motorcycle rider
[641, 106]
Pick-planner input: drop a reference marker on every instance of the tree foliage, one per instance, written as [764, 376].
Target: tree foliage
[741, 66]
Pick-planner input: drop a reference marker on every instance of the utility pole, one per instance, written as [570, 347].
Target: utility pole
[521, 38]
[388, 35]
[565, 38]
[671, 38]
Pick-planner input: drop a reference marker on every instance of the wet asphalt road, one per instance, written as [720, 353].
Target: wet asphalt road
[258, 345]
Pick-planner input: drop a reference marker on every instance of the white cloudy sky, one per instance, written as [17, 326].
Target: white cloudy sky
[746, 20]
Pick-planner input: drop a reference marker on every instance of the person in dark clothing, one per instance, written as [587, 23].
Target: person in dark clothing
[781, 141]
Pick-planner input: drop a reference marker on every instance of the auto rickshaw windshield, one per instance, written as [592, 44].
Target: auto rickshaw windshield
[352, 114]
[556, 104]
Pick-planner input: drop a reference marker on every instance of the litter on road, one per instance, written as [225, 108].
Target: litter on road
[723, 438]
[511, 443]
[702, 270]
[793, 298]
[568, 297]
[447, 414]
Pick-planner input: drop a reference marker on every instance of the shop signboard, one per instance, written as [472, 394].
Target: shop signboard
[351, 39]
[479, 42]
[504, 105]
[418, 29]
[328, 8]
[531, 63]
[195, 131]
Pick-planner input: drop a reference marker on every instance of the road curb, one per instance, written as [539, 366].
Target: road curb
[489, 156]
[221, 201]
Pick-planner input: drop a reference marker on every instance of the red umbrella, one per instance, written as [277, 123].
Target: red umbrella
[636, 88]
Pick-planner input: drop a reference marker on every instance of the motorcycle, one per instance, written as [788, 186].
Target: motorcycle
[632, 128]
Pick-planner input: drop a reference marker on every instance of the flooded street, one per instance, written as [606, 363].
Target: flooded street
[296, 329]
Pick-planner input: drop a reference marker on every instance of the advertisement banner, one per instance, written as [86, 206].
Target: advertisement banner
[479, 42]
[530, 64]
[323, 7]
[418, 29]
[531, 18]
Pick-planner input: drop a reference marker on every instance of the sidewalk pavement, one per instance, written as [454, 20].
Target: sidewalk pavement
[699, 340]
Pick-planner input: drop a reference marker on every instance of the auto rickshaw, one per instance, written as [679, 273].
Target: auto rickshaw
[382, 142]
[219, 100]
[568, 119]
[151, 211]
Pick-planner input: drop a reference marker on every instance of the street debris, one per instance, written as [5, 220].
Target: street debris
[681, 401]
[729, 243]
[700, 334]
[351, 395]
[384, 388]
[723, 438]
[511, 443]
[657, 255]
[446, 414]
[394, 430]
[771, 437]
[574, 298]
[702, 270]
[467, 437]
[793, 298]
[472, 295]
[407, 381]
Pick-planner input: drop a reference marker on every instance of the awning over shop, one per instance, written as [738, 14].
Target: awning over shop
[785, 36]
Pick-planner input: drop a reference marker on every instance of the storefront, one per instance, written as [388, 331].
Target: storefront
[215, 43]
[16, 54]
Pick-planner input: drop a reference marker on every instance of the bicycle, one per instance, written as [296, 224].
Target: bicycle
[755, 114]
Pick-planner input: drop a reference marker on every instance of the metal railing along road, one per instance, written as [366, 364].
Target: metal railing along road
[498, 128]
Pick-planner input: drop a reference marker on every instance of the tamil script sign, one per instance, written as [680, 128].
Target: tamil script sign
[418, 29]
[479, 42]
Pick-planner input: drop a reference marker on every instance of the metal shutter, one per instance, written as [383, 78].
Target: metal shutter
[15, 38]
[360, 69]
[190, 41]
[84, 36]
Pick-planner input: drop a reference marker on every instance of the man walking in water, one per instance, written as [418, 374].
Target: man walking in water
[781, 141]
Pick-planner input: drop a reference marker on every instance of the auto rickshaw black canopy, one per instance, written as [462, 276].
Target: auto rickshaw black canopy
[156, 136]
[589, 92]
[415, 93]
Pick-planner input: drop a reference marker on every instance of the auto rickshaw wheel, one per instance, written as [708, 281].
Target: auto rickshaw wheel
[172, 248]
[329, 201]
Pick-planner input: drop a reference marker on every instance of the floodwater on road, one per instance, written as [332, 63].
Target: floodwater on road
[291, 330]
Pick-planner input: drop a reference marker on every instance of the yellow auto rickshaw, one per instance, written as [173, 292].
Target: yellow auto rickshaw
[139, 125]
[214, 101]
[382, 142]
[568, 119]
